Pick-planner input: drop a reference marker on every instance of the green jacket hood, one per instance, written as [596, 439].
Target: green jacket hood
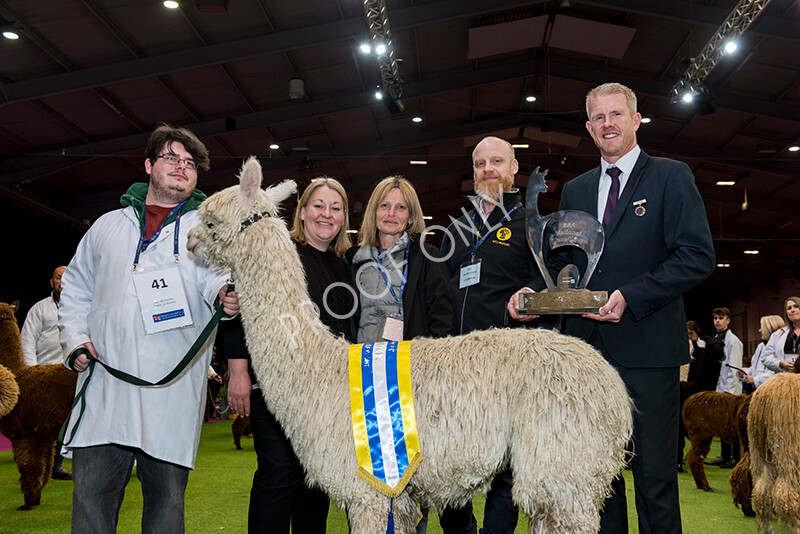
[137, 193]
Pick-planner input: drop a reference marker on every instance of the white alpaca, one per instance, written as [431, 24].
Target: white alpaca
[546, 403]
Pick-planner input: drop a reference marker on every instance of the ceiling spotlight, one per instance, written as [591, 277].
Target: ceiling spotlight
[646, 120]
[730, 46]
[274, 146]
[687, 97]
[380, 49]
[378, 95]
[520, 145]
[365, 48]
[171, 4]
[794, 148]
[427, 217]
[751, 252]
[723, 265]
[725, 182]
[417, 119]
[530, 98]
[8, 34]
[418, 162]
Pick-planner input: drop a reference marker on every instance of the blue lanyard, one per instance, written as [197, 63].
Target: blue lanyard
[397, 299]
[506, 217]
[144, 243]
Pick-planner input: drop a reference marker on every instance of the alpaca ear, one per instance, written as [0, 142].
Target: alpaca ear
[249, 180]
[280, 192]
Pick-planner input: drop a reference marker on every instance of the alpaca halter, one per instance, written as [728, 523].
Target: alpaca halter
[254, 218]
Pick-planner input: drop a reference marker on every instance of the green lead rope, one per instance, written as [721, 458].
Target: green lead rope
[129, 378]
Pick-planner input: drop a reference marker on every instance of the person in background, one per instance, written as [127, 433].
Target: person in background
[696, 342]
[780, 352]
[41, 346]
[728, 381]
[757, 373]
[279, 497]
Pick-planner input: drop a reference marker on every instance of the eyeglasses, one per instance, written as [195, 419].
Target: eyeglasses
[171, 159]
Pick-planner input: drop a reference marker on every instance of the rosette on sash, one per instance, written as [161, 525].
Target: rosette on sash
[382, 408]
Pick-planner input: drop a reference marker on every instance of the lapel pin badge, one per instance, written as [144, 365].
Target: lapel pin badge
[639, 207]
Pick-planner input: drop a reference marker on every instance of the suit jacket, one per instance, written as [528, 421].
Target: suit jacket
[652, 258]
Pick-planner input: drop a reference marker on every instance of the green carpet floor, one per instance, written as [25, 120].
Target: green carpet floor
[218, 491]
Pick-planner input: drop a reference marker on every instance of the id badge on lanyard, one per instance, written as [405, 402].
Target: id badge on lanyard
[162, 298]
[160, 290]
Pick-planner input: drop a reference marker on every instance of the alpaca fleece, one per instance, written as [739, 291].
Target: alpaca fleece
[773, 428]
[45, 399]
[534, 399]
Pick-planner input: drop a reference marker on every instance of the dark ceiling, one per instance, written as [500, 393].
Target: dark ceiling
[89, 79]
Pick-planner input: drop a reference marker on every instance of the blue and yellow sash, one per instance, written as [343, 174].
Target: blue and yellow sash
[382, 408]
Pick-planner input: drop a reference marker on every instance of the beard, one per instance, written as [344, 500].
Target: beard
[491, 190]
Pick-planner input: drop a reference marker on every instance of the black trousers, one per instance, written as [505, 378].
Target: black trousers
[656, 395]
[279, 495]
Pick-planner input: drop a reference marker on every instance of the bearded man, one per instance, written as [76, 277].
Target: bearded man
[488, 257]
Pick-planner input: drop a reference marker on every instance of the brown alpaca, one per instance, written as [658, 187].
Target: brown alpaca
[45, 398]
[9, 391]
[708, 414]
[241, 427]
[774, 433]
[740, 479]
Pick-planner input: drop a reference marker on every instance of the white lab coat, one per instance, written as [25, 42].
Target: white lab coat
[728, 381]
[758, 370]
[39, 335]
[773, 352]
[99, 304]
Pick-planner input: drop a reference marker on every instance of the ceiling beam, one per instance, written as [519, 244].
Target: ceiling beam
[341, 30]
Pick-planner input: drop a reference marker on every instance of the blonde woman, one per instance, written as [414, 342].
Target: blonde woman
[402, 283]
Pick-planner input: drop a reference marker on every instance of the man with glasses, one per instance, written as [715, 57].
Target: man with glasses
[137, 300]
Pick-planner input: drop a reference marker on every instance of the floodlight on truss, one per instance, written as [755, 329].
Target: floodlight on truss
[381, 39]
[734, 25]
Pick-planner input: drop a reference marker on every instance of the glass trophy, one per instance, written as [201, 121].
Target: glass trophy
[568, 294]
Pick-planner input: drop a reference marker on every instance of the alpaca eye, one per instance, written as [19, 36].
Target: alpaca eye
[210, 225]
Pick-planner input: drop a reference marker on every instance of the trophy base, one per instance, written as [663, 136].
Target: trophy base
[557, 302]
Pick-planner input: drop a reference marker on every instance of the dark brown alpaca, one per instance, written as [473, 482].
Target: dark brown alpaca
[708, 414]
[241, 427]
[45, 398]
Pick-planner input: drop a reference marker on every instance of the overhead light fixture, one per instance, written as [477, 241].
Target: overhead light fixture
[723, 265]
[427, 217]
[352, 231]
[520, 145]
[726, 182]
[378, 95]
[12, 35]
[794, 148]
[377, 18]
[687, 97]
[745, 204]
[737, 21]
[418, 162]
[646, 120]
[751, 252]
[530, 98]
[730, 46]
[365, 48]
[274, 146]
[171, 4]
[417, 119]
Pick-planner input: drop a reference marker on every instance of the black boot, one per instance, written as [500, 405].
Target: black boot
[59, 473]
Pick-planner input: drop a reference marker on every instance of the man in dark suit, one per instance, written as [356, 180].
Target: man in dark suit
[657, 246]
